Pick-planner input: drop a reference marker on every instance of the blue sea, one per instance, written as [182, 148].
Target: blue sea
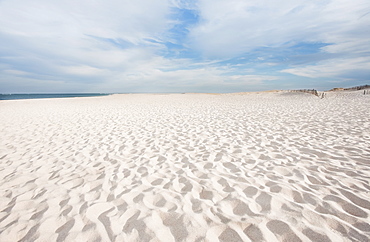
[52, 95]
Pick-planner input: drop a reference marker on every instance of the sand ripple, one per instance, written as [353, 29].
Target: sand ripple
[194, 167]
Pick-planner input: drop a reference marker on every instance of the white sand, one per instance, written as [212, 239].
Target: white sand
[262, 167]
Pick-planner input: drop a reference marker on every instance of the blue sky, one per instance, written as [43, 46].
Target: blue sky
[182, 46]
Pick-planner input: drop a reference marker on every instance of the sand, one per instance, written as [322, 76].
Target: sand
[273, 166]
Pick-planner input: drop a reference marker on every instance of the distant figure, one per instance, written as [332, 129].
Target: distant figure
[364, 92]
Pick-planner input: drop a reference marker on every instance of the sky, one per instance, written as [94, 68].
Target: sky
[124, 46]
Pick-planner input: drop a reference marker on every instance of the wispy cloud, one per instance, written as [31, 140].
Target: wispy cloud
[180, 45]
[334, 68]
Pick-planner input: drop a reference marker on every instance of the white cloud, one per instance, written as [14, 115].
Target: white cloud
[118, 45]
[65, 28]
[16, 72]
[210, 79]
[69, 38]
[83, 70]
[332, 68]
[232, 27]
[130, 20]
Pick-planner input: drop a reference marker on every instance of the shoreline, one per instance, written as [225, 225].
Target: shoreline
[86, 95]
[4, 97]
[76, 95]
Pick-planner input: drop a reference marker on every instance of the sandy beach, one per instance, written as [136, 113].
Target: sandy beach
[269, 166]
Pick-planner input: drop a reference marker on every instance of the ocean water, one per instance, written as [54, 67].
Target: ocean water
[49, 95]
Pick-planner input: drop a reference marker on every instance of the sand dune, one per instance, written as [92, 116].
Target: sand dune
[273, 166]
